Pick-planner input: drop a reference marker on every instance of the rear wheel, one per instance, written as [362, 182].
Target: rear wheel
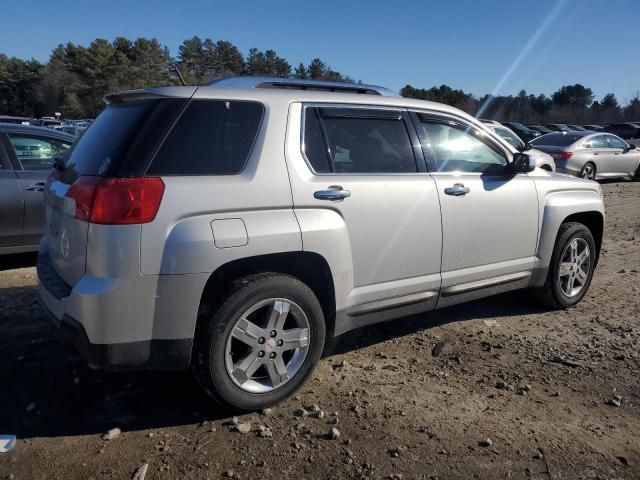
[571, 268]
[588, 172]
[636, 177]
[262, 343]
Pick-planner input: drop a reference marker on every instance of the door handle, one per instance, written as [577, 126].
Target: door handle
[596, 153]
[36, 187]
[334, 192]
[457, 190]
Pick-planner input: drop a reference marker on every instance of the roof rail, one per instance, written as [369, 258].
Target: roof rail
[300, 84]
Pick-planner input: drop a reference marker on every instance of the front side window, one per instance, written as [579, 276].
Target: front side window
[357, 141]
[452, 147]
[35, 152]
[615, 142]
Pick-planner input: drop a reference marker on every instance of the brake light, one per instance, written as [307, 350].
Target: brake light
[562, 155]
[116, 201]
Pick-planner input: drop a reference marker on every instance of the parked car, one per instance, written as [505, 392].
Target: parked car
[593, 128]
[627, 131]
[557, 127]
[26, 157]
[274, 214]
[542, 160]
[539, 128]
[15, 120]
[591, 155]
[523, 132]
[576, 128]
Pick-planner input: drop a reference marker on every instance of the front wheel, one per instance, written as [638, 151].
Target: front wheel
[262, 343]
[571, 268]
[588, 172]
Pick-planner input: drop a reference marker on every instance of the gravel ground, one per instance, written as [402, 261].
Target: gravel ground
[495, 388]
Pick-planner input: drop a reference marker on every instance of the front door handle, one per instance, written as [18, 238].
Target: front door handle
[457, 190]
[334, 192]
[596, 153]
[36, 187]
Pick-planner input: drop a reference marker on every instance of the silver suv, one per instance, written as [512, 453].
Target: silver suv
[235, 228]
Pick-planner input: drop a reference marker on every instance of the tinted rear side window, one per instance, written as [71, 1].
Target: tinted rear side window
[556, 139]
[120, 141]
[212, 137]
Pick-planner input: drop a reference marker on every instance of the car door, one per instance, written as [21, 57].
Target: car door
[34, 154]
[624, 161]
[361, 171]
[601, 155]
[11, 201]
[489, 214]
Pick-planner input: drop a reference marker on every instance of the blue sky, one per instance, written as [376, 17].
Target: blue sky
[479, 46]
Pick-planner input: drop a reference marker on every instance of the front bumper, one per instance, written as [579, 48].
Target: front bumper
[58, 300]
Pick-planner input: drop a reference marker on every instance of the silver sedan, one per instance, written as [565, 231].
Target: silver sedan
[591, 155]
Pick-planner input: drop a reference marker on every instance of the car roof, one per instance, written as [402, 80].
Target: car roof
[33, 130]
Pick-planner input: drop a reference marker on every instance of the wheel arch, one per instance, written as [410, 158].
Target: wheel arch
[582, 206]
[309, 267]
[594, 221]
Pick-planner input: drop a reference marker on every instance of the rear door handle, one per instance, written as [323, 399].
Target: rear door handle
[36, 187]
[596, 153]
[334, 192]
[457, 190]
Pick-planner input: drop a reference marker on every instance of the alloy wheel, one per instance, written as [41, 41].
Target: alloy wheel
[575, 264]
[588, 172]
[267, 345]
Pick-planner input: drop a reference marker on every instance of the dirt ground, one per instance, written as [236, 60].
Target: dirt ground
[557, 393]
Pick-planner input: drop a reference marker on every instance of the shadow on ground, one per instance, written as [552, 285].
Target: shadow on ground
[20, 260]
[46, 390]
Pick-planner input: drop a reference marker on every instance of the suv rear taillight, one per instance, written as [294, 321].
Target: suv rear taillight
[562, 155]
[116, 201]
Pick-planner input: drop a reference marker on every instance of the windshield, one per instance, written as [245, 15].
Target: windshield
[510, 137]
[556, 139]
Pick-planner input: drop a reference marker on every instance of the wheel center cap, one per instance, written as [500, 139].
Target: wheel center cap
[270, 345]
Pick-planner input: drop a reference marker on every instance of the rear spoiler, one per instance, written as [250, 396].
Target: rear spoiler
[148, 94]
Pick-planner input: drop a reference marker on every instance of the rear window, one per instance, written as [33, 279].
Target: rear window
[120, 141]
[212, 137]
[556, 139]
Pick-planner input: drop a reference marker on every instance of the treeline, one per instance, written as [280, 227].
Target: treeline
[570, 104]
[75, 79]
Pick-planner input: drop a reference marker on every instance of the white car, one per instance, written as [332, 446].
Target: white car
[543, 160]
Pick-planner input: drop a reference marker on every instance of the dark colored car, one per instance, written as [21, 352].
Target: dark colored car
[576, 128]
[557, 127]
[523, 132]
[26, 158]
[624, 130]
[16, 120]
[593, 127]
[540, 128]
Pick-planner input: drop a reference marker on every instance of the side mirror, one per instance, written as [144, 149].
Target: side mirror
[632, 147]
[523, 163]
[527, 146]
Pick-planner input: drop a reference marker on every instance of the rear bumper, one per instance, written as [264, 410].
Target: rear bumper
[58, 300]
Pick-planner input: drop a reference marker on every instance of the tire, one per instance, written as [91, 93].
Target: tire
[588, 171]
[636, 177]
[554, 291]
[547, 168]
[222, 348]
